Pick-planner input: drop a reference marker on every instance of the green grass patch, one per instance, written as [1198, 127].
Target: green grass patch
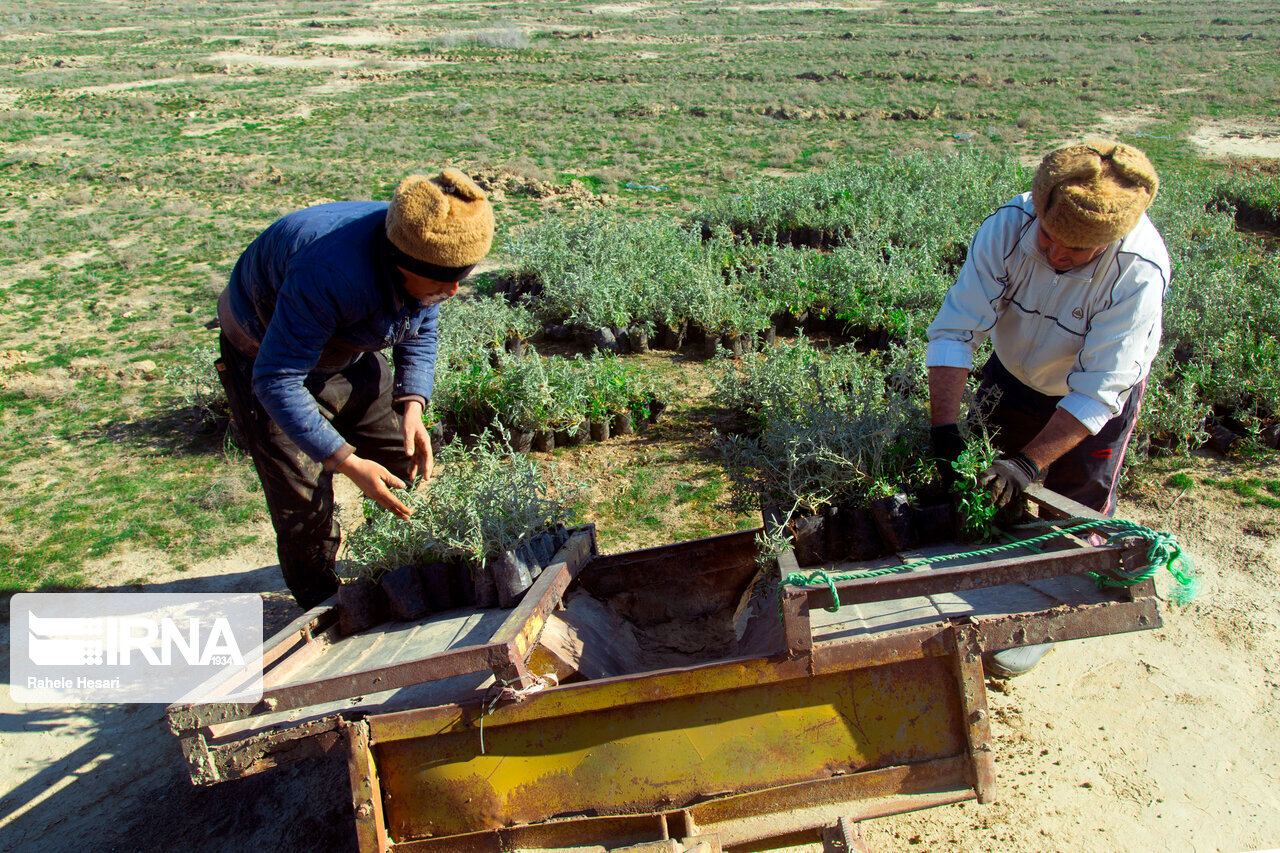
[1251, 490]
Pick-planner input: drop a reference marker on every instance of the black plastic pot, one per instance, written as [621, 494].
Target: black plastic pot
[639, 339]
[600, 429]
[934, 523]
[543, 547]
[360, 606]
[485, 589]
[439, 586]
[665, 337]
[439, 437]
[603, 339]
[406, 596]
[893, 519]
[521, 440]
[622, 424]
[511, 577]
[544, 441]
[809, 538]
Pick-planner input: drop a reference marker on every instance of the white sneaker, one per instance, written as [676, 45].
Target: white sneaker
[1011, 663]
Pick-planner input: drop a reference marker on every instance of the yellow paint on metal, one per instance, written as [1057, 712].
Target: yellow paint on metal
[668, 753]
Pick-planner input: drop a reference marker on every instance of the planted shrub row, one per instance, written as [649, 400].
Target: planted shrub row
[477, 537]
[540, 403]
[892, 236]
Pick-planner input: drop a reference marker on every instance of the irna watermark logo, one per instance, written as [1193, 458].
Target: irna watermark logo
[135, 647]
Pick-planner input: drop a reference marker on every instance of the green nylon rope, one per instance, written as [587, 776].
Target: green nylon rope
[1163, 550]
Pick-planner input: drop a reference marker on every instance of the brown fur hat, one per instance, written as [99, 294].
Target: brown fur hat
[1091, 194]
[445, 220]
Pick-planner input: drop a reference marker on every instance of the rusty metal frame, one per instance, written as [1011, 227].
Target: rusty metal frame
[797, 601]
[730, 818]
[973, 702]
[805, 806]
[366, 790]
[862, 795]
[308, 636]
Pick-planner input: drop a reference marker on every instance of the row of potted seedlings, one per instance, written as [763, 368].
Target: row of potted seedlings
[542, 403]
[477, 537]
[641, 338]
[853, 531]
[416, 590]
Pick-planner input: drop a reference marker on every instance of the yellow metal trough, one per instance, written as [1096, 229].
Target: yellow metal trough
[793, 723]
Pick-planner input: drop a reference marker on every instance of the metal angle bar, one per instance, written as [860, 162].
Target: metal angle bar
[585, 697]
[346, 686]
[1067, 623]
[973, 703]
[977, 576]
[946, 776]
[1058, 506]
[554, 833]
[889, 648]
[366, 791]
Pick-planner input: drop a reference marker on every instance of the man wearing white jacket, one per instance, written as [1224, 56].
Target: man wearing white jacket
[1068, 280]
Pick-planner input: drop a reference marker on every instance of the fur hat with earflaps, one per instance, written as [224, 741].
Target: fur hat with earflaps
[445, 220]
[1091, 194]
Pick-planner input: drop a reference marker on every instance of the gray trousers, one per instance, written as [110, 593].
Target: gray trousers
[299, 492]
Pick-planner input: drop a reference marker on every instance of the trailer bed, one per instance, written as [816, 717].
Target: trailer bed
[875, 709]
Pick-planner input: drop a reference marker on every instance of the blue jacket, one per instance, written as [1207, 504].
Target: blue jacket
[317, 290]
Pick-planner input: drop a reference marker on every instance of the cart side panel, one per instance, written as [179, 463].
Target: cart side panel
[672, 752]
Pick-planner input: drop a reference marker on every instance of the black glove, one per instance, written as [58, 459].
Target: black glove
[1009, 477]
[947, 446]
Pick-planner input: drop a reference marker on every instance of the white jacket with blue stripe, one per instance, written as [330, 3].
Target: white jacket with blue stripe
[1069, 335]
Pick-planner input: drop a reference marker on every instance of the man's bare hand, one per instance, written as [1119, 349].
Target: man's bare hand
[417, 441]
[376, 482]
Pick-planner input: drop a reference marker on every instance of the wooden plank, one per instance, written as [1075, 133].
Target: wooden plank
[522, 627]
[301, 631]
[586, 639]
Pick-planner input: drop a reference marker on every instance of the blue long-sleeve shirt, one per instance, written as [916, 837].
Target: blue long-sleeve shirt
[316, 290]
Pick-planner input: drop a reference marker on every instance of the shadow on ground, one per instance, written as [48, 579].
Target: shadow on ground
[124, 787]
[99, 778]
[191, 430]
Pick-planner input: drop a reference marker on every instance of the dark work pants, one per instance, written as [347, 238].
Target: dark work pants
[1089, 472]
[299, 492]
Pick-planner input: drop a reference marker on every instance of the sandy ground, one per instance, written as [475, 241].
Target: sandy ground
[1161, 740]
